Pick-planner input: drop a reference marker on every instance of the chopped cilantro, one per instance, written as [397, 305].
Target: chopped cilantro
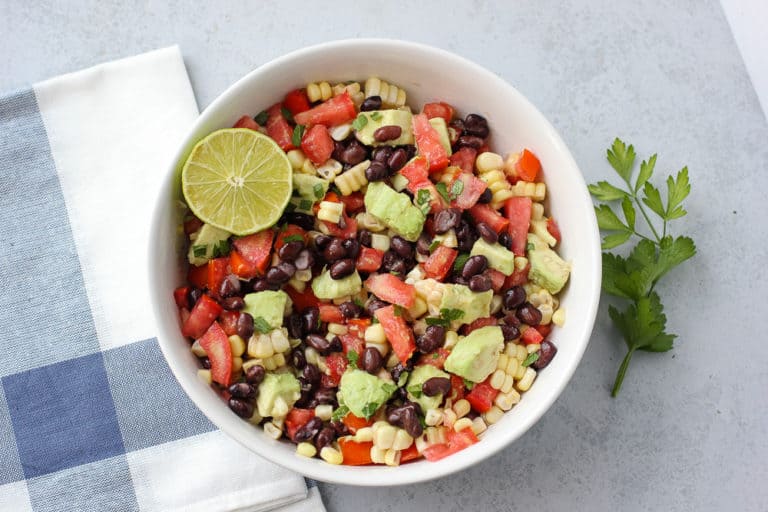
[415, 391]
[468, 384]
[261, 117]
[398, 310]
[298, 133]
[359, 302]
[461, 259]
[352, 357]
[292, 238]
[451, 314]
[261, 325]
[457, 188]
[360, 121]
[287, 114]
[434, 245]
[423, 198]
[442, 189]
[532, 358]
[199, 251]
[370, 409]
[437, 321]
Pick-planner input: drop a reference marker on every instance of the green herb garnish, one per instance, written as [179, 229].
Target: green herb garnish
[370, 409]
[261, 325]
[221, 249]
[461, 259]
[360, 121]
[298, 133]
[199, 251]
[415, 391]
[318, 190]
[359, 302]
[305, 204]
[532, 358]
[287, 114]
[261, 118]
[437, 321]
[423, 199]
[642, 323]
[451, 314]
[292, 238]
[442, 189]
[468, 384]
[339, 413]
[456, 189]
[352, 358]
[434, 245]
[529, 247]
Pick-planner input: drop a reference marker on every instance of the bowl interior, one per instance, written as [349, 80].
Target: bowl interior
[426, 74]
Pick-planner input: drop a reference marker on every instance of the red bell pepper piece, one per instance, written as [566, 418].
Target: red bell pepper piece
[353, 203]
[528, 166]
[416, 171]
[458, 389]
[428, 143]
[518, 277]
[354, 423]
[337, 365]
[481, 396]
[302, 300]
[201, 317]
[333, 112]
[438, 109]
[279, 129]
[296, 101]
[398, 333]
[218, 270]
[518, 211]
[369, 259]
[247, 122]
[544, 329]
[440, 262]
[317, 144]
[497, 279]
[216, 345]
[410, 453]
[391, 289]
[251, 254]
[480, 322]
[348, 230]
[486, 214]
[354, 453]
[357, 326]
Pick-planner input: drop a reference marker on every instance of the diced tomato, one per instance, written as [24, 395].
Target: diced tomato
[440, 262]
[201, 317]
[398, 333]
[457, 441]
[228, 321]
[436, 358]
[180, 296]
[438, 109]
[354, 423]
[518, 211]
[296, 101]
[296, 419]
[302, 300]
[279, 129]
[531, 336]
[458, 389]
[251, 254]
[349, 229]
[465, 159]
[473, 189]
[198, 276]
[354, 453]
[410, 453]
[290, 231]
[247, 122]
[544, 329]
[331, 313]
[481, 396]
[317, 144]
[333, 112]
[369, 259]
[216, 345]
[486, 214]
[353, 203]
[428, 143]
[416, 171]
[218, 270]
[554, 229]
[480, 322]
[191, 224]
[357, 326]
[518, 277]
[528, 166]
[391, 289]
[351, 342]
[337, 365]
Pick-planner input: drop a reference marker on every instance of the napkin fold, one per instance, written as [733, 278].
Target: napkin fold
[91, 417]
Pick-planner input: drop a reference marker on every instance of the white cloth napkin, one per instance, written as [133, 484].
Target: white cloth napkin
[82, 156]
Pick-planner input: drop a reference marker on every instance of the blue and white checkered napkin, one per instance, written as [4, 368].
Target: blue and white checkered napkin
[91, 418]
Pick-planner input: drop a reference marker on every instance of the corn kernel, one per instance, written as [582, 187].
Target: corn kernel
[537, 211]
[525, 383]
[205, 376]
[433, 417]
[522, 352]
[505, 401]
[380, 242]
[364, 435]
[306, 449]
[520, 372]
[402, 440]
[497, 379]
[418, 309]
[462, 424]
[324, 411]
[384, 436]
[297, 158]
[520, 262]
[337, 329]
[198, 350]
[279, 340]
[237, 364]
[512, 366]
[558, 317]
[252, 362]
[496, 303]
[272, 431]
[479, 426]
[509, 383]
[278, 360]
[311, 355]
[421, 443]
[488, 161]
[330, 211]
[461, 408]
[383, 348]
[297, 285]
[375, 334]
[340, 132]
[533, 347]
[451, 339]
[449, 417]
[377, 455]
[331, 455]
[308, 167]
[435, 435]
[280, 408]
[260, 346]
[392, 458]
[493, 415]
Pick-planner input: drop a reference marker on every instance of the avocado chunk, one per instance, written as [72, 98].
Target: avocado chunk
[499, 257]
[206, 241]
[395, 210]
[440, 126]
[326, 287]
[475, 356]
[375, 119]
[274, 388]
[363, 393]
[474, 305]
[269, 305]
[548, 269]
[310, 187]
[418, 377]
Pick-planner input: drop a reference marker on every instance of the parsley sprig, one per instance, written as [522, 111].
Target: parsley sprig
[633, 278]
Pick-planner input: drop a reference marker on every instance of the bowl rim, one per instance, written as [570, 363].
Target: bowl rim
[383, 476]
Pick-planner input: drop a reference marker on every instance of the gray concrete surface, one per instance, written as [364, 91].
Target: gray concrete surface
[690, 429]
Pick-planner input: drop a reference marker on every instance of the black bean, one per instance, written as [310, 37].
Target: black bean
[311, 374]
[277, 275]
[303, 220]
[311, 317]
[304, 397]
[410, 423]
[260, 285]
[410, 151]
[374, 304]
[447, 219]
[354, 153]
[305, 386]
[436, 386]
[339, 427]
[324, 438]
[547, 352]
[304, 260]
[510, 332]
[476, 125]
[505, 240]
[371, 103]
[398, 369]
[466, 236]
[319, 343]
[242, 408]
[352, 247]
[457, 124]
[511, 319]
[338, 149]
[308, 431]
[295, 326]
[298, 360]
[242, 390]
[322, 241]
[233, 303]
[397, 160]
[480, 283]
[335, 344]
[255, 374]
[205, 363]
[474, 265]
[335, 250]
[350, 310]
[514, 297]
[291, 250]
[193, 296]
[470, 141]
[342, 268]
[392, 262]
[460, 280]
[432, 339]
[401, 246]
[423, 243]
[244, 325]
[364, 237]
[381, 154]
[371, 360]
[487, 232]
[376, 171]
[229, 286]
[485, 197]
[325, 396]
[388, 132]
[529, 314]
[287, 267]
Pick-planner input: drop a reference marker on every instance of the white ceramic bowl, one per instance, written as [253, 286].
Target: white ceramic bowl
[426, 74]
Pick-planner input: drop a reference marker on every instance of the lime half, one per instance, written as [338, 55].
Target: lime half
[238, 180]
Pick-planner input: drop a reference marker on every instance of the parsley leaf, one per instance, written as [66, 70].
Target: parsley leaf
[437, 321]
[199, 251]
[442, 189]
[604, 191]
[352, 357]
[360, 121]
[287, 114]
[292, 238]
[451, 314]
[622, 158]
[456, 189]
[261, 325]
[532, 358]
[340, 412]
[423, 200]
[261, 118]
[298, 133]
[461, 259]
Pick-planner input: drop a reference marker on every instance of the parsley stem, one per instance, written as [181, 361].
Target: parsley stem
[647, 219]
[620, 374]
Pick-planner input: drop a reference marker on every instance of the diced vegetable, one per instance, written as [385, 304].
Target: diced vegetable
[464, 158]
[399, 335]
[473, 187]
[486, 214]
[369, 259]
[330, 313]
[296, 419]
[251, 254]
[203, 314]
[457, 441]
[440, 262]
[528, 166]
[355, 454]
[317, 144]
[438, 109]
[333, 112]
[482, 395]
[279, 129]
[518, 212]
[391, 289]
[531, 336]
[246, 122]
[296, 101]
[216, 345]
[428, 143]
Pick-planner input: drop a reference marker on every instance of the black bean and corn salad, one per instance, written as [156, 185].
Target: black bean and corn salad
[383, 293]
